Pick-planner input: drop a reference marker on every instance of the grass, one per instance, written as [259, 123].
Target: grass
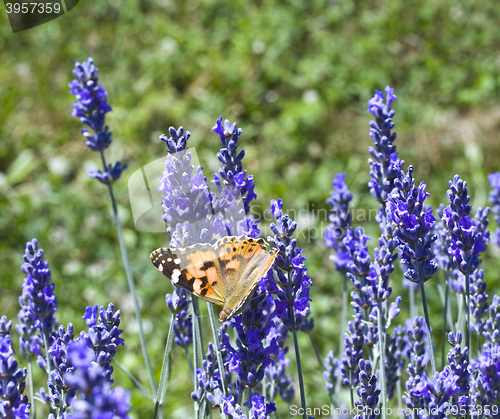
[296, 77]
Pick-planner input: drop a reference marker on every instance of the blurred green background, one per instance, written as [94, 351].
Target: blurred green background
[295, 75]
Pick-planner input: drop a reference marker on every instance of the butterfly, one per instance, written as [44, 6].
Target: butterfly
[225, 273]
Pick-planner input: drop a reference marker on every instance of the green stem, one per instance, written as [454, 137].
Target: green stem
[343, 320]
[467, 326]
[413, 305]
[135, 381]
[130, 280]
[381, 342]
[351, 389]
[32, 392]
[191, 370]
[400, 401]
[220, 362]
[299, 364]
[446, 315]
[196, 351]
[249, 400]
[427, 322]
[162, 385]
[316, 352]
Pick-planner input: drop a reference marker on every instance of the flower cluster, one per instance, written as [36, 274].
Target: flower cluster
[331, 373]
[385, 158]
[494, 179]
[37, 322]
[367, 391]
[250, 359]
[186, 198]
[340, 222]
[291, 285]
[467, 240]
[413, 225]
[354, 340]
[178, 303]
[13, 405]
[208, 376]
[91, 106]
[95, 397]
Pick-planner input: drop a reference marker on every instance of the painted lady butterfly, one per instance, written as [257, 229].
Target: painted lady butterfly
[226, 273]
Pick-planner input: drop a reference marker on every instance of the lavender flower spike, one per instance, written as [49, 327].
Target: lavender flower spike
[91, 106]
[385, 157]
[37, 322]
[367, 391]
[13, 405]
[494, 179]
[95, 397]
[340, 222]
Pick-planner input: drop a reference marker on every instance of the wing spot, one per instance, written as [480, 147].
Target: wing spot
[175, 275]
[160, 268]
[177, 261]
[228, 249]
[163, 261]
[169, 260]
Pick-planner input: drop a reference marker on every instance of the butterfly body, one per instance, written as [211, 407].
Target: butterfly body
[226, 273]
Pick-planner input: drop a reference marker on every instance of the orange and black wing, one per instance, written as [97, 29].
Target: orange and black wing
[195, 268]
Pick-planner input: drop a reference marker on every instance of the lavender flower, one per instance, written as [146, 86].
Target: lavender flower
[367, 391]
[186, 198]
[293, 285]
[457, 361]
[412, 226]
[257, 410]
[251, 357]
[232, 176]
[111, 174]
[209, 378]
[178, 303]
[478, 301]
[395, 360]
[331, 373]
[340, 222]
[13, 405]
[91, 106]
[278, 379]
[354, 339]
[494, 179]
[95, 397]
[491, 328]
[488, 367]
[60, 392]
[467, 241]
[385, 158]
[416, 368]
[103, 335]
[436, 394]
[37, 322]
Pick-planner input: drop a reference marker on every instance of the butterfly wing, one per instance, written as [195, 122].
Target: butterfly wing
[243, 262]
[195, 268]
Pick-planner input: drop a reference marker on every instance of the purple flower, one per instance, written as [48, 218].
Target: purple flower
[385, 158]
[478, 301]
[467, 236]
[413, 224]
[394, 358]
[38, 304]
[187, 203]
[209, 378]
[367, 391]
[494, 179]
[488, 370]
[354, 339]
[111, 174]
[232, 177]
[436, 394]
[13, 405]
[91, 104]
[457, 363]
[340, 222]
[95, 399]
[291, 284]
[178, 303]
[332, 372]
[258, 408]
[416, 368]
[249, 360]
[491, 328]
[279, 381]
